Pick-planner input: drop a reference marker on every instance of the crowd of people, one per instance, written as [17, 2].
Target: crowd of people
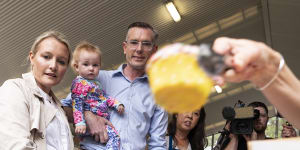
[34, 118]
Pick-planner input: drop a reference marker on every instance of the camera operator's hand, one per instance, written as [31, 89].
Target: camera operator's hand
[233, 144]
[251, 137]
[288, 131]
[234, 139]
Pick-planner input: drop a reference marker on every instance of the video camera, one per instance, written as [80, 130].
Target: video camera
[241, 117]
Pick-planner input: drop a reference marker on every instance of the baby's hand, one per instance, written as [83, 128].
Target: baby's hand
[80, 129]
[121, 109]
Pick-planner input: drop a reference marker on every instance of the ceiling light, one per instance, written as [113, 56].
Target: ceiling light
[173, 11]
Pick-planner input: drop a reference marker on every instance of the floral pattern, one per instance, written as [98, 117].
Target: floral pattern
[88, 96]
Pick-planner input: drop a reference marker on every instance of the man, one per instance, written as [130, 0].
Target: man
[129, 85]
[260, 126]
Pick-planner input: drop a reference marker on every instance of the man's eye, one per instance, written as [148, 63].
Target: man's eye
[134, 42]
[147, 43]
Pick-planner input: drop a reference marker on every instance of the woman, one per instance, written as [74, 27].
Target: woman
[33, 116]
[186, 131]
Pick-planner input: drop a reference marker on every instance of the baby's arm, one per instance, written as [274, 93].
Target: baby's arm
[80, 126]
[113, 103]
[79, 91]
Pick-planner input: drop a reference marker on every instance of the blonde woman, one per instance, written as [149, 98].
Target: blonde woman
[31, 116]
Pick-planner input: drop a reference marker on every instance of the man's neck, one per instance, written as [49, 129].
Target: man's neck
[132, 73]
[261, 136]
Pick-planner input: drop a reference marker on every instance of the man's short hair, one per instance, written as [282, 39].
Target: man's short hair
[145, 26]
[259, 104]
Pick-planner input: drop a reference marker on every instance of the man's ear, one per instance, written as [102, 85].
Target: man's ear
[124, 47]
[155, 48]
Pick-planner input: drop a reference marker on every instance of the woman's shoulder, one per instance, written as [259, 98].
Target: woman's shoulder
[27, 81]
[13, 83]
[13, 90]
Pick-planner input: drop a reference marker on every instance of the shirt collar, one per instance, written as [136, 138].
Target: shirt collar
[31, 83]
[120, 71]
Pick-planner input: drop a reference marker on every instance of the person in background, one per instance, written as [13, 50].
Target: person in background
[186, 131]
[32, 117]
[87, 94]
[129, 84]
[260, 125]
[288, 130]
[266, 69]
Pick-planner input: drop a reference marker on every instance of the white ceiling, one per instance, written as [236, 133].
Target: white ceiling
[105, 22]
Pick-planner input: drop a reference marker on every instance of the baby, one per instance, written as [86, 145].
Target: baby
[87, 94]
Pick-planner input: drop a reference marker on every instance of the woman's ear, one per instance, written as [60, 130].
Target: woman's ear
[31, 56]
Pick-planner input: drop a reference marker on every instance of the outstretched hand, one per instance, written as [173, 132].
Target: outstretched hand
[247, 60]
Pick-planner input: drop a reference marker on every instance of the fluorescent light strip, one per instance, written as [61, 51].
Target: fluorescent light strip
[173, 11]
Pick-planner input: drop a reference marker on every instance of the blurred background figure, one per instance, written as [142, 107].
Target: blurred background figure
[186, 131]
[288, 130]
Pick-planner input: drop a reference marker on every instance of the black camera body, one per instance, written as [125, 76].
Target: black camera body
[242, 118]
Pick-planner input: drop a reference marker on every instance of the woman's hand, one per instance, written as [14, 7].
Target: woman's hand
[248, 60]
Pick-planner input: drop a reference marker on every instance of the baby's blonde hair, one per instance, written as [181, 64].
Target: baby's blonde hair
[84, 46]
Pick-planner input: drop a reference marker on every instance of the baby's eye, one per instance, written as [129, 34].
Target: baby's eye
[46, 56]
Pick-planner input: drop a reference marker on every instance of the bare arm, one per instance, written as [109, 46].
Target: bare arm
[233, 144]
[258, 63]
[284, 94]
[97, 126]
